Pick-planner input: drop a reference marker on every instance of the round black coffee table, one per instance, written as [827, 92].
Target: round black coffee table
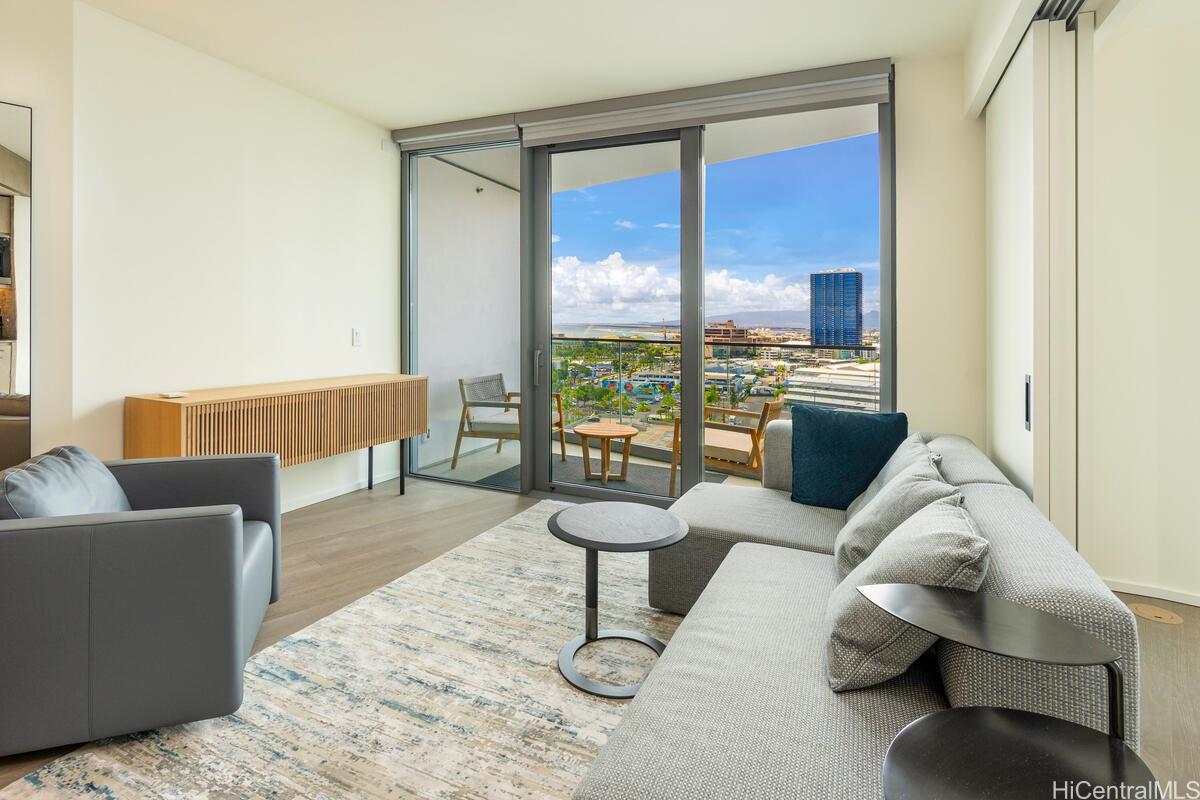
[962, 753]
[616, 528]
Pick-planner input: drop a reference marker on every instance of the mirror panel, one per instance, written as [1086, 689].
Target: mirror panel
[16, 231]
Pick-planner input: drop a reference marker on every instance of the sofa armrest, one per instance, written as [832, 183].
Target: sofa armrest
[249, 481]
[114, 623]
[777, 466]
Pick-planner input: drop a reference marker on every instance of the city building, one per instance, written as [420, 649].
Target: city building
[727, 332]
[836, 307]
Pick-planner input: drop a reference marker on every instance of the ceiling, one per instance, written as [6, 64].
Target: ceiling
[723, 141]
[401, 63]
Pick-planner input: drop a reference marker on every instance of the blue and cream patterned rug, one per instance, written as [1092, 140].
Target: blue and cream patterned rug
[442, 684]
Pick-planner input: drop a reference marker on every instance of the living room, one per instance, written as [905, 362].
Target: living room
[632, 401]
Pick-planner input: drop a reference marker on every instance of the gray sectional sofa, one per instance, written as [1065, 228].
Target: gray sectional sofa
[739, 705]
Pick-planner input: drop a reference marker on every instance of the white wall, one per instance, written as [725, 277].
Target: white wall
[228, 231]
[1138, 436]
[939, 251]
[1010, 274]
[468, 276]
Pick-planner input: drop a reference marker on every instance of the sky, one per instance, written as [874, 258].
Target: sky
[770, 220]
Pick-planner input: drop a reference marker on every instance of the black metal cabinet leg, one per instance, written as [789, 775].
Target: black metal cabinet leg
[370, 467]
[403, 465]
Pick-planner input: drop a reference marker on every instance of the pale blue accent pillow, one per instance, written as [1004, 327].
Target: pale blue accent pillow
[63, 482]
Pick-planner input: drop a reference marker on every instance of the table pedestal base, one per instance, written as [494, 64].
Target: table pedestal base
[969, 753]
[566, 663]
[592, 633]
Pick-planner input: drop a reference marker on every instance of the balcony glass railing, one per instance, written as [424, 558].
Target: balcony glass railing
[637, 381]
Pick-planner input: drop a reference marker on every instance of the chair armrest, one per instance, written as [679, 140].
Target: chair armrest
[249, 481]
[726, 426]
[114, 623]
[777, 463]
[736, 412]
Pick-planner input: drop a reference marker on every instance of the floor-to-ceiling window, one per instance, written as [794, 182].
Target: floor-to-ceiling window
[678, 274]
[792, 278]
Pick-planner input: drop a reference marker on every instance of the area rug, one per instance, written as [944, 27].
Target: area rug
[442, 684]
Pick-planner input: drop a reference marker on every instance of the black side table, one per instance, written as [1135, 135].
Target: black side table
[617, 528]
[999, 752]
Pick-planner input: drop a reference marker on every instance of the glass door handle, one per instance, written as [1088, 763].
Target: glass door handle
[537, 367]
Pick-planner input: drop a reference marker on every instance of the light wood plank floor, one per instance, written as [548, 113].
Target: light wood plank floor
[337, 551]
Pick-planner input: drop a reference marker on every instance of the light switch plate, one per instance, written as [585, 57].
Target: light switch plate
[356, 337]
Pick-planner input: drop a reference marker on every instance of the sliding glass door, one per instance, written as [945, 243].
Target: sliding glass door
[464, 312]
[766, 235]
[615, 352]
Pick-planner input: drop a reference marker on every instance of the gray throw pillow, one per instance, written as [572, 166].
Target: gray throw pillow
[937, 546]
[63, 482]
[912, 450]
[915, 487]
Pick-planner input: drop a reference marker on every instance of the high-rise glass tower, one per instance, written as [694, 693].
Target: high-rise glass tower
[836, 307]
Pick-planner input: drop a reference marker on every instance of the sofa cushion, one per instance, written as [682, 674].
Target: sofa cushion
[912, 450]
[738, 705]
[961, 462]
[1033, 564]
[14, 405]
[495, 421]
[753, 514]
[65, 481]
[720, 516]
[836, 454]
[937, 546]
[915, 487]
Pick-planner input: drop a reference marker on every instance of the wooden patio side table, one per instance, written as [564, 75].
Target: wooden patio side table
[605, 432]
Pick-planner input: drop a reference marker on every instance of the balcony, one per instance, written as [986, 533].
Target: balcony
[636, 382]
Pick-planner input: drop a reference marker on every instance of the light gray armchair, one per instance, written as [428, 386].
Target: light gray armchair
[130, 592]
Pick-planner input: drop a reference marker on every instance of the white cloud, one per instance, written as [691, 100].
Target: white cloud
[616, 290]
[726, 293]
[669, 225]
[555, 238]
[613, 290]
[624, 223]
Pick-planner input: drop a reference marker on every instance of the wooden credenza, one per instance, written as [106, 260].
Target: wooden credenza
[300, 420]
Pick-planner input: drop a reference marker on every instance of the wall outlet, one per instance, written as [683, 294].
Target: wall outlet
[356, 337]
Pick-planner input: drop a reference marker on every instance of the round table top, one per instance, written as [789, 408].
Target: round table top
[617, 527]
[987, 622]
[605, 430]
[1000, 753]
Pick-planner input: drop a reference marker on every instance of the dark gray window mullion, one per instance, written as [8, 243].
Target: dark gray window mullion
[887, 255]
[691, 268]
[535, 289]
